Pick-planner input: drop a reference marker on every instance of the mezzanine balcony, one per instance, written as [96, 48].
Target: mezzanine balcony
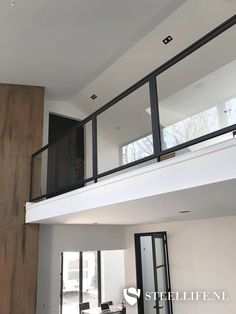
[146, 138]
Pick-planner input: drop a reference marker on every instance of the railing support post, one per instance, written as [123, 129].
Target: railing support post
[156, 127]
[95, 150]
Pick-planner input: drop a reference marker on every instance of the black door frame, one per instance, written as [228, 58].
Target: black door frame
[139, 277]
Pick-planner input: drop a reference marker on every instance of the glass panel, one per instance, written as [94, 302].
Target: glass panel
[44, 172]
[161, 284]
[147, 273]
[138, 149]
[71, 159]
[70, 153]
[160, 272]
[88, 151]
[124, 131]
[159, 251]
[70, 303]
[197, 96]
[90, 281]
[36, 188]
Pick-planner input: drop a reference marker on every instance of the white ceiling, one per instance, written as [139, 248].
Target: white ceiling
[187, 24]
[63, 45]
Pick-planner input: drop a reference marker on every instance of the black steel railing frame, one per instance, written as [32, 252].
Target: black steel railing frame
[155, 119]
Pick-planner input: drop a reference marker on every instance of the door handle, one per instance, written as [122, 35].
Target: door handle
[158, 307]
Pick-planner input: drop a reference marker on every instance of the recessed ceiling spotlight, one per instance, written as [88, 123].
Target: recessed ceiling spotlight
[167, 40]
[12, 3]
[184, 212]
[93, 96]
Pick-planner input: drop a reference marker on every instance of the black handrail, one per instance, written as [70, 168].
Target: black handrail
[184, 53]
[156, 129]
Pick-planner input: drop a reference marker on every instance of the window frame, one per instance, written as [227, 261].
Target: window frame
[81, 271]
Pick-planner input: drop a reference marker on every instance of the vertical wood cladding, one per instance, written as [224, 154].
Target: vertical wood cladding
[21, 127]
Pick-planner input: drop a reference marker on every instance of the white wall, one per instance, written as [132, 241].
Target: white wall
[202, 257]
[201, 252]
[113, 275]
[108, 152]
[58, 238]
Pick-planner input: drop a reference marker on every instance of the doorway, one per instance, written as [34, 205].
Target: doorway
[153, 275]
[65, 154]
[58, 126]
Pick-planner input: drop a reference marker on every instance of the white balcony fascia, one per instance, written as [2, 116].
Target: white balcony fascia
[207, 166]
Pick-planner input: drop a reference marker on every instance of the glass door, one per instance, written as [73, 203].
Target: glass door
[161, 273]
[153, 277]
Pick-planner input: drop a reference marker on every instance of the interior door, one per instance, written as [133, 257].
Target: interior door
[153, 272]
[161, 275]
[65, 158]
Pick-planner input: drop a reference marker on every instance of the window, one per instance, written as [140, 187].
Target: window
[138, 149]
[80, 280]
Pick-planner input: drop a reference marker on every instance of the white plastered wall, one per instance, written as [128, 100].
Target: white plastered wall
[113, 275]
[202, 258]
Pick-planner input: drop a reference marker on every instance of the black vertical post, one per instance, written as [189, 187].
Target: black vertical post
[166, 255]
[95, 149]
[156, 128]
[99, 278]
[80, 277]
[157, 306]
[139, 273]
[61, 287]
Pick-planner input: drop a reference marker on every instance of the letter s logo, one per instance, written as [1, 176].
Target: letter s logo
[131, 295]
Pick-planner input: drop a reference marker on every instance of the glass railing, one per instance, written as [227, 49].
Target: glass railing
[187, 103]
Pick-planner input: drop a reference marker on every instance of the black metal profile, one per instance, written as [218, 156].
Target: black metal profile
[155, 117]
[126, 166]
[139, 273]
[99, 277]
[80, 277]
[156, 128]
[154, 274]
[200, 139]
[61, 283]
[168, 268]
[139, 269]
[94, 148]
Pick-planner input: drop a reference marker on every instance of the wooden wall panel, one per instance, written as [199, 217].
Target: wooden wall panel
[21, 128]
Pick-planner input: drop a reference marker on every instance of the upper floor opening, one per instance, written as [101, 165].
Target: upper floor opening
[186, 104]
